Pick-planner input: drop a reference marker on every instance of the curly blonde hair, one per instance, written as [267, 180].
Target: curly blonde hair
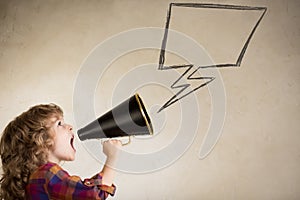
[24, 147]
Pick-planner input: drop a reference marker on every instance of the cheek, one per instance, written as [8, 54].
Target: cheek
[61, 142]
[58, 142]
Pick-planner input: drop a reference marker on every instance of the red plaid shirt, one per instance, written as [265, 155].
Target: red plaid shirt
[50, 181]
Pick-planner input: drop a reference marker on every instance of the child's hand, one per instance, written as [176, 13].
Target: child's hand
[111, 148]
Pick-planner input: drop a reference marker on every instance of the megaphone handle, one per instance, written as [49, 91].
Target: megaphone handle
[129, 141]
[123, 144]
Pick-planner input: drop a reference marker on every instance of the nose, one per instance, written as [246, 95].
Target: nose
[69, 127]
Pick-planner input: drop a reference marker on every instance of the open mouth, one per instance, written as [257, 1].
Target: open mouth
[72, 143]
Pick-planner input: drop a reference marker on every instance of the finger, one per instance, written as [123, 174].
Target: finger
[116, 142]
[105, 142]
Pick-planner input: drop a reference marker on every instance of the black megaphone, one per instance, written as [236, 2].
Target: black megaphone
[129, 118]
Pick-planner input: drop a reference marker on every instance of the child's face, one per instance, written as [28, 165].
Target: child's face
[63, 148]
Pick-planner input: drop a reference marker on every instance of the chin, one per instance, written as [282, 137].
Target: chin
[72, 158]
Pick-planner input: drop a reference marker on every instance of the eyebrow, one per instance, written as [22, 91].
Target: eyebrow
[56, 118]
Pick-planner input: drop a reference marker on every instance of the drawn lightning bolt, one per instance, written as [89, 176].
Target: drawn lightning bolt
[190, 71]
[180, 94]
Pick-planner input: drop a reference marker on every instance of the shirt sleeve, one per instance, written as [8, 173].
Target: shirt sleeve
[63, 186]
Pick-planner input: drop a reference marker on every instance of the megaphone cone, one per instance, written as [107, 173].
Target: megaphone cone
[127, 119]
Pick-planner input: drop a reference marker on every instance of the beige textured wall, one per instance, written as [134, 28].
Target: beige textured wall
[44, 43]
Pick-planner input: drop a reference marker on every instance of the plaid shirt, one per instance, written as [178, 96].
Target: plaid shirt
[50, 181]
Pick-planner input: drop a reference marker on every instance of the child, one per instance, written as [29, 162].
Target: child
[31, 147]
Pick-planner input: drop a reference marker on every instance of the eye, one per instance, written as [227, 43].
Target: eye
[59, 123]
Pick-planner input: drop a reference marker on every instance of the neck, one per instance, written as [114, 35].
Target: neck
[53, 159]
